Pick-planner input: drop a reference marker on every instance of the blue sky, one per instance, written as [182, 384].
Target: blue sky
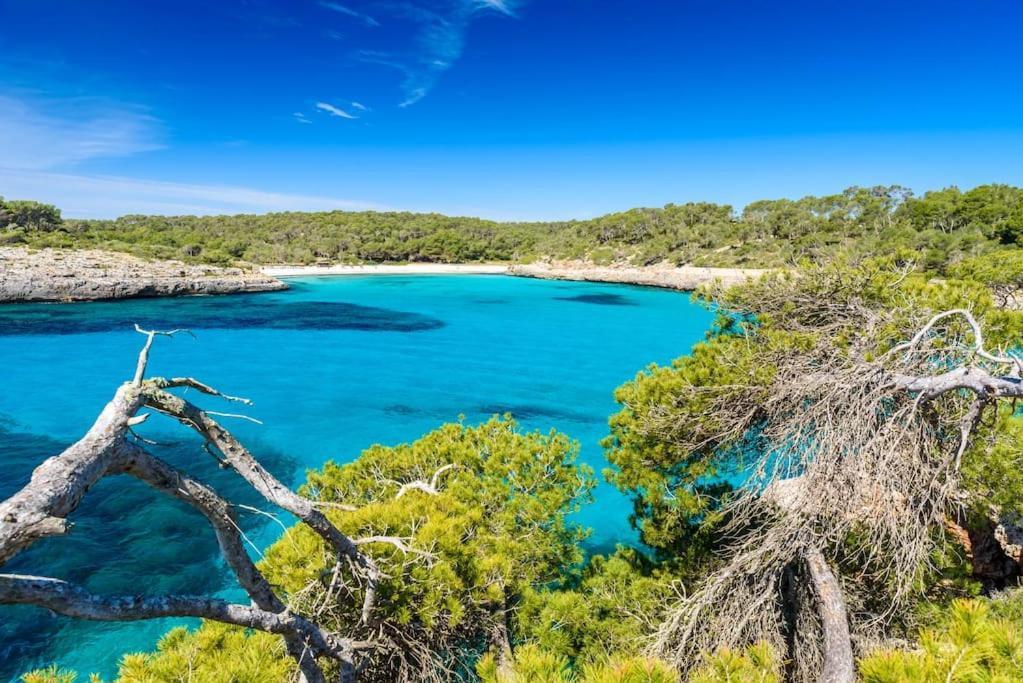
[509, 109]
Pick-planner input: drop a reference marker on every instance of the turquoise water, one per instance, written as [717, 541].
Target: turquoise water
[333, 365]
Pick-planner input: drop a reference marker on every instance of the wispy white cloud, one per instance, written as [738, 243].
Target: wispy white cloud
[502, 6]
[360, 106]
[82, 196]
[45, 133]
[300, 117]
[346, 10]
[334, 111]
[439, 41]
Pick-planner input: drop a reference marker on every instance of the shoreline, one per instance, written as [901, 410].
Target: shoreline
[65, 275]
[681, 278]
[56, 275]
[397, 269]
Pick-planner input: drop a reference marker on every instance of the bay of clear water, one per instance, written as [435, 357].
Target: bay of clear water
[333, 366]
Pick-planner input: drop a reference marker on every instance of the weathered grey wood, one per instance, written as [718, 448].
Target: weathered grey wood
[272, 489]
[60, 483]
[74, 601]
[974, 379]
[57, 486]
[167, 479]
[839, 665]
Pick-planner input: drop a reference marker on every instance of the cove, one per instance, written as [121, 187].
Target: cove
[333, 365]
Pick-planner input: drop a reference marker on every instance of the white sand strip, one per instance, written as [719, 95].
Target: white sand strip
[685, 278]
[405, 269]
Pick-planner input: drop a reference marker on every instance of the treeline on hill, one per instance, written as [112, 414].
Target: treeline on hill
[942, 226]
[820, 419]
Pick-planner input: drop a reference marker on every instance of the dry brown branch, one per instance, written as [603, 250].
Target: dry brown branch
[857, 460]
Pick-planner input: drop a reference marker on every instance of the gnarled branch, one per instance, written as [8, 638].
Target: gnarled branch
[74, 601]
[272, 489]
[59, 484]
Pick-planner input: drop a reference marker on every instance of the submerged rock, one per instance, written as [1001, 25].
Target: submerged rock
[90, 275]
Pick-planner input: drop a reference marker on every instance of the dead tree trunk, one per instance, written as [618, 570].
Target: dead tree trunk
[500, 638]
[59, 484]
[839, 666]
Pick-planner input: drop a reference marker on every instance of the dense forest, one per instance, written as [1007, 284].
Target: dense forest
[827, 489]
[939, 227]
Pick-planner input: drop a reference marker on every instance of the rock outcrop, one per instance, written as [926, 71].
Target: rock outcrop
[685, 278]
[89, 275]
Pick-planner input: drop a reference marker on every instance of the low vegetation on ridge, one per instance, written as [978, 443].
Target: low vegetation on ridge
[939, 227]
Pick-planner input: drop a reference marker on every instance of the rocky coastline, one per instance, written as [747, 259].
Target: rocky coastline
[92, 275]
[684, 278]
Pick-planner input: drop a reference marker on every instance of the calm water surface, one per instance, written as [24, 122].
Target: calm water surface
[333, 365]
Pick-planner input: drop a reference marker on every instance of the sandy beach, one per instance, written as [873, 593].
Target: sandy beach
[685, 278]
[403, 269]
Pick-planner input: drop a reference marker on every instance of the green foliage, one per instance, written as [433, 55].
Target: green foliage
[29, 215]
[629, 670]
[674, 442]
[54, 674]
[756, 664]
[940, 229]
[335, 237]
[532, 664]
[214, 653]
[608, 612]
[678, 490]
[972, 645]
[497, 528]
[1000, 271]
[993, 468]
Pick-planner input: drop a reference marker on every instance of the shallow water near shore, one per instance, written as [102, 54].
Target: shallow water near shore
[333, 366]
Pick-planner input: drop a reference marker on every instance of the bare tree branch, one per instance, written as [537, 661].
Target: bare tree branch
[399, 543]
[59, 484]
[429, 488]
[140, 368]
[242, 461]
[74, 601]
[190, 383]
[978, 337]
